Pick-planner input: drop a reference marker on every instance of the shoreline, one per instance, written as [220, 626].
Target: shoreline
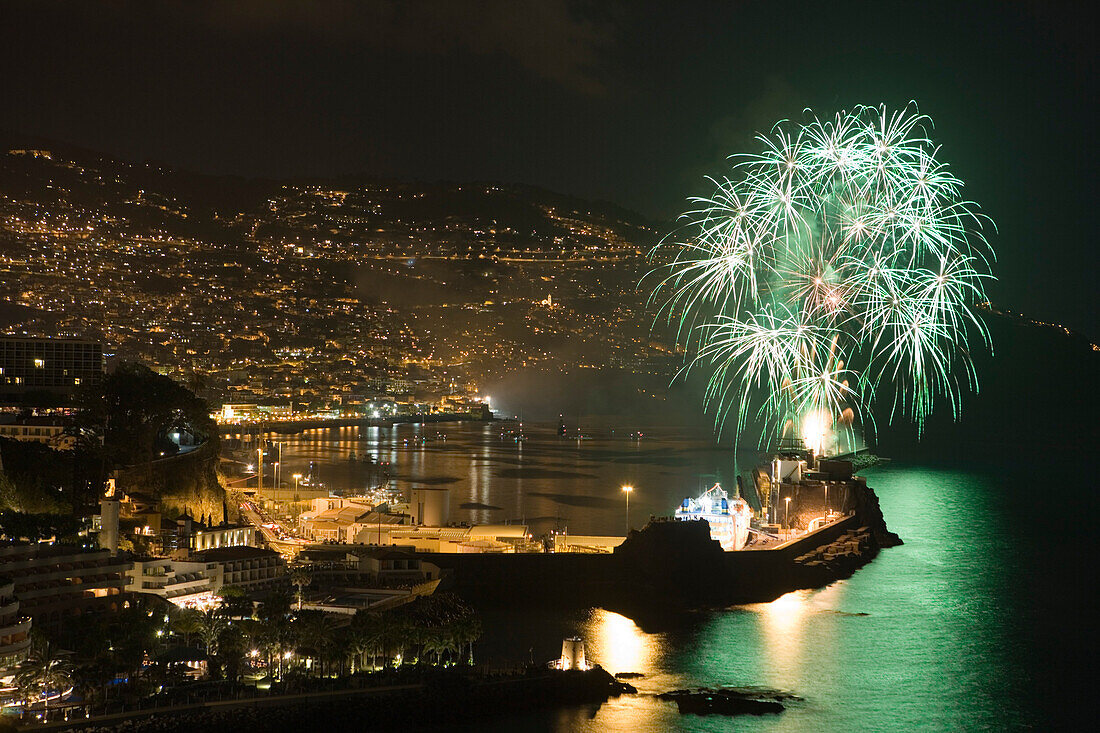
[669, 568]
[436, 698]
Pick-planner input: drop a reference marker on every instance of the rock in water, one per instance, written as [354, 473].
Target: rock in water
[727, 701]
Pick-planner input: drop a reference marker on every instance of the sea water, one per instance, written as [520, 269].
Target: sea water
[980, 621]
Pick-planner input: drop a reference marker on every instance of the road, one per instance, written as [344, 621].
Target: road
[274, 535]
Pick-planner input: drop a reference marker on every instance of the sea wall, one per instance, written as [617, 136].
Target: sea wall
[429, 698]
[668, 567]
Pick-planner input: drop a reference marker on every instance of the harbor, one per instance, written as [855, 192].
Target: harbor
[792, 522]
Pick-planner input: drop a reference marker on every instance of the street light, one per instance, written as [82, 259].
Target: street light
[787, 515]
[260, 470]
[627, 490]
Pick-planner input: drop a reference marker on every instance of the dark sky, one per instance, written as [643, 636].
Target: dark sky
[630, 102]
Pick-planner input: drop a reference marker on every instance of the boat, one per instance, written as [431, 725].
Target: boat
[728, 518]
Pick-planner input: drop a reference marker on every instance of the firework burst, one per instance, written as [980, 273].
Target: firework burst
[835, 269]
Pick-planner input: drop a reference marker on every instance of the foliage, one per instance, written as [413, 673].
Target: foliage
[44, 672]
[300, 578]
[234, 601]
[37, 479]
[35, 527]
[135, 410]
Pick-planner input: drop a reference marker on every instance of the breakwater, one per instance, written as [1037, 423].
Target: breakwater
[291, 427]
[668, 567]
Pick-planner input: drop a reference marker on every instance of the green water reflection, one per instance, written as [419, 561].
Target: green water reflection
[931, 636]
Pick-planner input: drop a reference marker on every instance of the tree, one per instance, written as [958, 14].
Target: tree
[187, 621]
[197, 382]
[43, 672]
[232, 649]
[466, 631]
[437, 641]
[300, 577]
[135, 410]
[235, 602]
[35, 478]
[316, 634]
[211, 625]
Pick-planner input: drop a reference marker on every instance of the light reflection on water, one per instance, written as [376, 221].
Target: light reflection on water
[535, 481]
[617, 644]
[952, 631]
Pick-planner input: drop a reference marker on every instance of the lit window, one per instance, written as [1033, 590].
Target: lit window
[39, 363]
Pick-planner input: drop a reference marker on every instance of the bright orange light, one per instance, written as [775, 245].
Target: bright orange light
[815, 428]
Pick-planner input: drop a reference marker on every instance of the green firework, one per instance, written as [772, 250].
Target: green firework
[836, 268]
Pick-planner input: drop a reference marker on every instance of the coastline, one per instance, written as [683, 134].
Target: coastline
[669, 568]
[417, 699]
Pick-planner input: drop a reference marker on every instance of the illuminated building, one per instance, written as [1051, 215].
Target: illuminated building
[44, 429]
[248, 568]
[183, 582]
[58, 367]
[15, 629]
[58, 583]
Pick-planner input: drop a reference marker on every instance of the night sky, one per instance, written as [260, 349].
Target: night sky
[629, 102]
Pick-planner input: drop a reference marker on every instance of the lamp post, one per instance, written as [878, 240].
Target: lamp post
[259, 470]
[787, 515]
[627, 490]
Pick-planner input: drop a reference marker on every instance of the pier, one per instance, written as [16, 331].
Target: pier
[670, 567]
[298, 425]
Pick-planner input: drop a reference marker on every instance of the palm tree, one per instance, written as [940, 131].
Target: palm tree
[211, 626]
[317, 633]
[402, 634]
[300, 577]
[197, 382]
[363, 636]
[187, 621]
[278, 635]
[45, 670]
[437, 641]
[232, 651]
[467, 630]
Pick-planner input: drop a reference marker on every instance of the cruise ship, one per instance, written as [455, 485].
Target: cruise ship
[728, 518]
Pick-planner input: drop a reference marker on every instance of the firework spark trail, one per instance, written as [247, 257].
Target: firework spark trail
[838, 263]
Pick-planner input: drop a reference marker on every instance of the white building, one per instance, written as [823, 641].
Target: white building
[183, 582]
[15, 630]
[248, 568]
[47, 430]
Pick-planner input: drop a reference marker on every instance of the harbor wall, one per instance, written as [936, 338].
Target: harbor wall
[670, 567]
